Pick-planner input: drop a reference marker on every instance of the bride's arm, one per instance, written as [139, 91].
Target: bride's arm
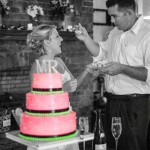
[83, 75]
[32, 71]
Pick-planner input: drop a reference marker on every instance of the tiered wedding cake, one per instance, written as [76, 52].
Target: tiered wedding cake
[47, 116]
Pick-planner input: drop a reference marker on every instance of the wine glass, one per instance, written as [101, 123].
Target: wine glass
[81, 125]
[116, 128]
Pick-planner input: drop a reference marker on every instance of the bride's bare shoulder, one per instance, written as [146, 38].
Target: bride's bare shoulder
[44, 57]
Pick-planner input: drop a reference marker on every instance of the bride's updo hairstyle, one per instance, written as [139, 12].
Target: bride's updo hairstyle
[36, 38]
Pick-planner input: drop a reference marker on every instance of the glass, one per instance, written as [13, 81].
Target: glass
[83, 125]
[116, 128]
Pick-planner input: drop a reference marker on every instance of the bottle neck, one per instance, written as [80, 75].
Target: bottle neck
[99, 119]
[99, 113]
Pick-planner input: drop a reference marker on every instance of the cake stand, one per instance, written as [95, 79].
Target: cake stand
[40, 145]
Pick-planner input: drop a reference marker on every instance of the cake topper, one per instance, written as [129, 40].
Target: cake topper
[46, 66]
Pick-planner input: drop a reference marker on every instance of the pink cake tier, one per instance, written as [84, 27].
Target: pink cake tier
[47, 81]
[48, 126]
[47, 102]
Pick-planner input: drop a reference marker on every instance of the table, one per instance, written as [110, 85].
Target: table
[40, 145]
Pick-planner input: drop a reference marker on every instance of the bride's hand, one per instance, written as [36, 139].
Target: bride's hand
[70, 86]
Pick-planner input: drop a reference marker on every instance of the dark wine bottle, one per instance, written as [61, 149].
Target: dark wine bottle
[99, 134]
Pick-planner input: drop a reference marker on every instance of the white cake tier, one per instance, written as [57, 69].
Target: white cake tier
[47, 81]
[48, 125]
[47, 102]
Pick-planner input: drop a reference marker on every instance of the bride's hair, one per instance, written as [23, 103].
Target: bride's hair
[36, 38]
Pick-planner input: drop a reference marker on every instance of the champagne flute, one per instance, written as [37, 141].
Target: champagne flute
[116, 128]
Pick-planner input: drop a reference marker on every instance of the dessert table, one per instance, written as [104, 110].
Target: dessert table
[40, 145]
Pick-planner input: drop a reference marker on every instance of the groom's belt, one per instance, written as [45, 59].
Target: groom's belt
[125, 97]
